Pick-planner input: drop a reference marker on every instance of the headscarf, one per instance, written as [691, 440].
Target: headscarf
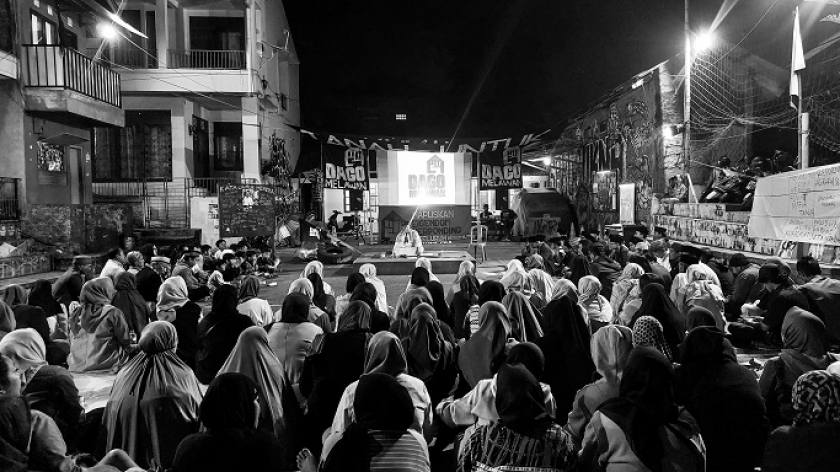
[645, 404]
[155, 374]
[647, 332]
[528, 354]
[480, 355]
[365, 292]
[534, 261]
[172, 295]
[15, 430]
[709, 364]
[425, 263]
[95, 295]
[14, 295]
[524, 322]
[520, 401]
[697, 316]
[295, 309]
[491, 291]
[565, 288]
[410, 299]
[229, 402]
[353, 281]
[464, 269]
[542, 283]
[41, 296]
[368, 270]
[316, 267]
[317, 286]
[610, 347]
[304, 286]
[249, 288]
[597, 307]
[130, 302]
[518, 281]
[439, 302]
[657, 303]
[26, 347]
[7, 319]
[513, 267]
[816, 398]
[470, 286]
[419, 277]
[805, 341]
[698, 272]
[385, 355]
[355, 317]
[580, 268]
[631, 271]
[425, 346]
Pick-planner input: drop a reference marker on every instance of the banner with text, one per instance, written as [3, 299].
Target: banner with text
[800, 206]
[346, 168]
[425, 178]
[433, 223]
[500, 169]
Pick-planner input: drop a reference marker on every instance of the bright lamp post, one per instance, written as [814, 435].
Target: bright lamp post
[702, 41]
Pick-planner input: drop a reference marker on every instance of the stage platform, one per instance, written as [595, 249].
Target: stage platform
[443, 262]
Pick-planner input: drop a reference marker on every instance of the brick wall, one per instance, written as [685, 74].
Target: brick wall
[79, 228]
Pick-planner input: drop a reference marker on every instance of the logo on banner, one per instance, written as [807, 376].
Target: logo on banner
[506, 175]
[351, 175]
[430, 184]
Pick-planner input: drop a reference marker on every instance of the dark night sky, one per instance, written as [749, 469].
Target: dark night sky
[363, 61]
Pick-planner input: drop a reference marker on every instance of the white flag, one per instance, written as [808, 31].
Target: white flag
[797, 63]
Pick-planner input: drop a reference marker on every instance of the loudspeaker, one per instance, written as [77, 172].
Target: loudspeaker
[357, 200]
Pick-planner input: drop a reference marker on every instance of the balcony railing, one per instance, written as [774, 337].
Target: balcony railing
[56, 66]
[206, 59]
[131, 58]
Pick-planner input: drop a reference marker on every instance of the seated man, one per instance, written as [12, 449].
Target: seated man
[408, 243]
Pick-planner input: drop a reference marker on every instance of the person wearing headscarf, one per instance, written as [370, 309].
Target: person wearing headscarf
[634, 300]
[335, 361]
[647, 332]
[154, 402]
[483, 353]
[41, 296]
[543, 288]
[385, 355]
[478, 406]
[698, 316]
[599, 312]
[524, 436]
[99, 335]
[316, 315]
[489, 291]
[131, 303]
[624, 286]
[724, 399]
[230, 439]
[429, 354]
[291, 338]
[515, 274]
[405, 305]
[525, 320]
[565, 288]
[251, 305]
[320, 298]
[425, 263]
[341, 302]
[805, 349]
[381, 438]
[316, 267]
[643, 429]
[369, 271]
[253, 357]
[175, 306]
[439, 304]
[701, 291]
[419, 278]
[218, 332]
[464, 300]
[48, 388]
[580, 268]
[810, 444]
[26, 316]
[466, 268]
[656, 303]
[366, 292]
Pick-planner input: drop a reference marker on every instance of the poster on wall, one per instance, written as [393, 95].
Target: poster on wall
[500, 169]
[246, 210]
[627, 204]
[802, 205]
[204, 215]
[604, 191]
[425, 178]
[433, 223]
[346, 168]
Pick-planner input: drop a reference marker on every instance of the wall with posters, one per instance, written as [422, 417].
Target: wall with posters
[204, 215]
[434, 223]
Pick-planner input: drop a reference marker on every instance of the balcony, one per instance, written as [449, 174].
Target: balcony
[206, 59]
[59, 79]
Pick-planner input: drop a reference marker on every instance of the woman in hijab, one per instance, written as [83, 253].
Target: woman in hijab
[369, 271]
[335, 361]
[599, 312]
[462, 302]
[250, 305]
[381, 438]
[425, 263]
[487, 292]
[153, 404]
[467, 268]
[353, 281]
[541, 281]
[430, 355]
[513, 267]
[525, 320]
[634, 300]
[48, 388]
[218, 332]
[624, 286]
[385, 355]
[524, 436]
[579, 269]
[698, 316]
[420, 277]
[441, 309]
[230, 439]
[810, 445]
[805, 349]
[647, 332]
[99, 334]
[253, 357]
[565, 288]
[405, 305]
[657, 303]
[724, 399]
[366, 292]
[291, 338]
[485, 351]
[316, 267]
[131, 303]
[316, 315]
[700, 290]
[41, 296]
[174, 306]
[320, 298]
[26, 316]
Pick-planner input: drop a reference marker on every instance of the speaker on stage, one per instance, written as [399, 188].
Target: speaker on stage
[357, 200]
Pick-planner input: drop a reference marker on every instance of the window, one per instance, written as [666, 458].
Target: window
[284, 102]
[141, 150]
[228, 144]
[43, 30]
[402, 117]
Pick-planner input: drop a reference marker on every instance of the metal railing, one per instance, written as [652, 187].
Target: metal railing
[133, 58]
[206, 59]
[56, 66]
[9, 200]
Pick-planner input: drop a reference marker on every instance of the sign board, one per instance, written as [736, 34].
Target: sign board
[246, 210]
[346, 168]
[500, 169]
[627, 204]
[433, 223]
[801, 206]
[425, 178]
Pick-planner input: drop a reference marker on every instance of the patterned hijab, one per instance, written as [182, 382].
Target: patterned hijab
[647, 332]
[816, 398]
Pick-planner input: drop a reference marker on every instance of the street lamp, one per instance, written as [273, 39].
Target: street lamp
[703, 41]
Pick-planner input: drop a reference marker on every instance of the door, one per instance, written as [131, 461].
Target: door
[76, 169]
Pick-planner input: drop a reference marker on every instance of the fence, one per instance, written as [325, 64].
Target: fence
[206, 59]
[56, 66]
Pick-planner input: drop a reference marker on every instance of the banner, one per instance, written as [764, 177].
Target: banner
[627, 204]
[500, 169]
[346, 168]
[246, 210]
[204, 215]
[433, 223]
[800, 206]
[425, 178]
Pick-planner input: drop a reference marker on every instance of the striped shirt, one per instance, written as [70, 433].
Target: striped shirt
[397, 451]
